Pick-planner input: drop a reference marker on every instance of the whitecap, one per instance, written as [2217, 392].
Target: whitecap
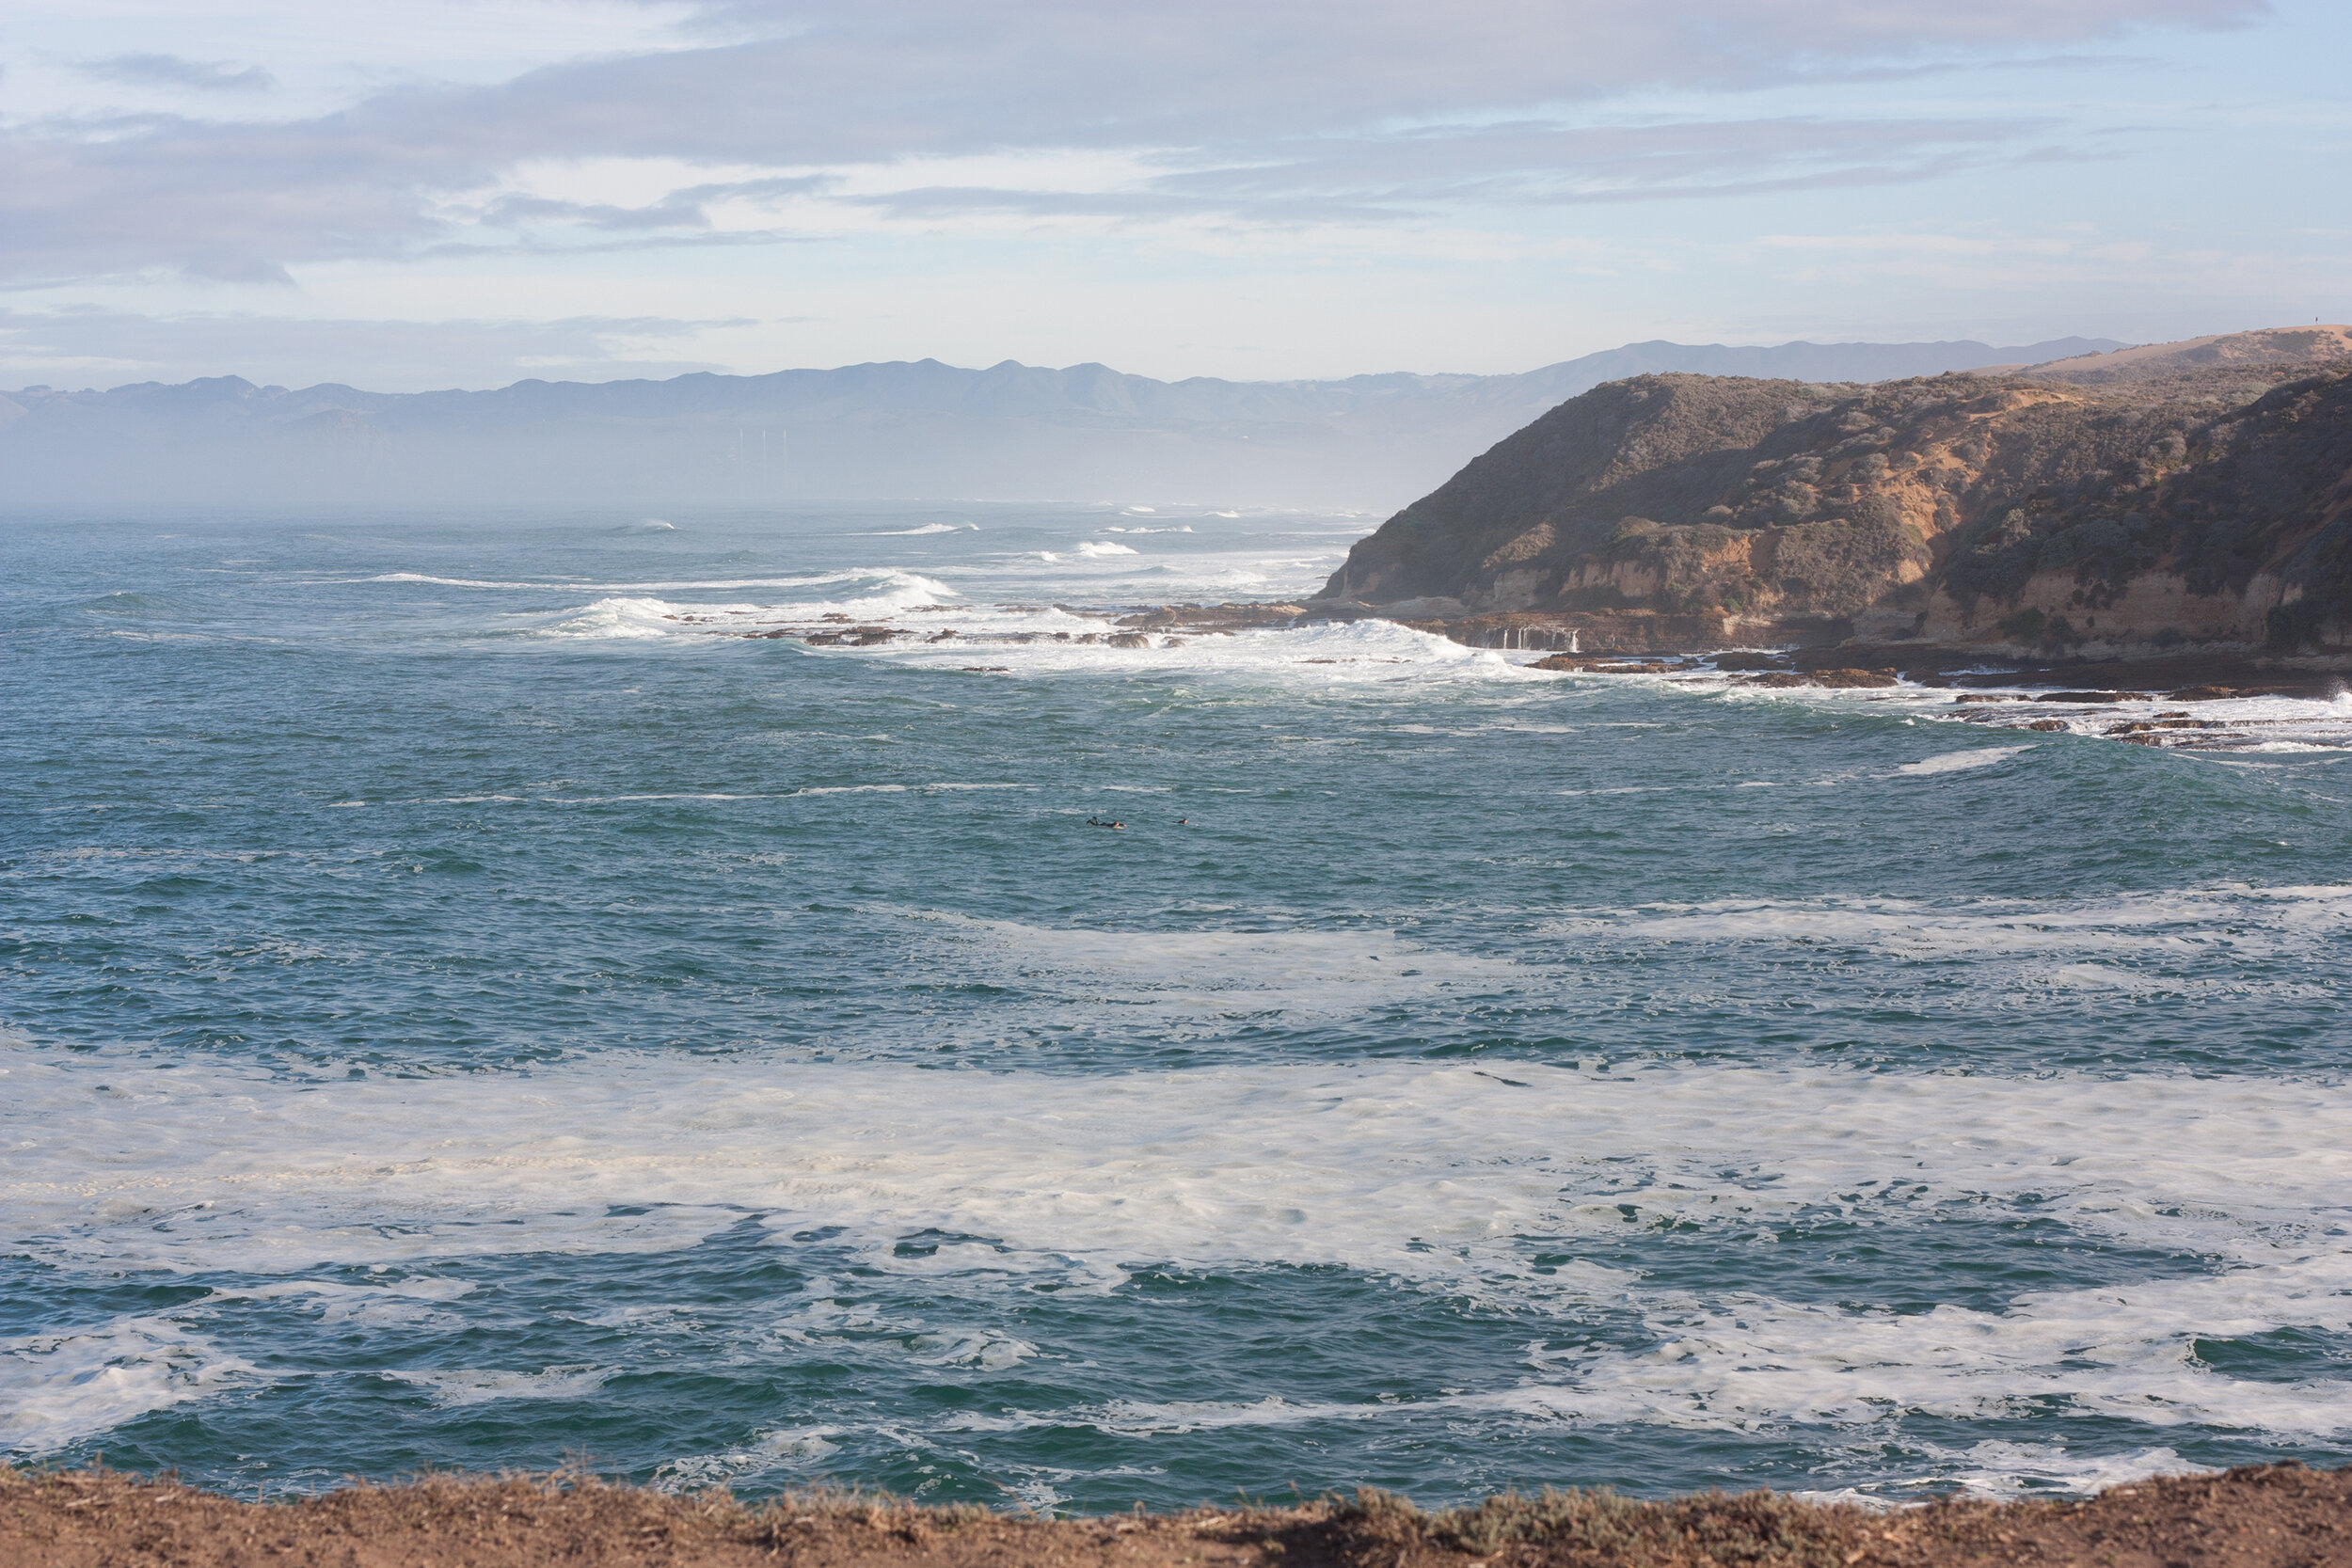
[453, 1390]
[1954, 762]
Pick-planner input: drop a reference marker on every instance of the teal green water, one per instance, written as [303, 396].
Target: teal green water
[465, 1006]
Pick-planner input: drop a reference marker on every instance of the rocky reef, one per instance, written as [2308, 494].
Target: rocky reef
[2167, 499]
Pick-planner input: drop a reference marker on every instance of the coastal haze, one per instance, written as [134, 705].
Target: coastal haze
[888, 431]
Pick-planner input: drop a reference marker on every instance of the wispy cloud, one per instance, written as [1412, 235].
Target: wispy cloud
[1312, 112]
[173, 70]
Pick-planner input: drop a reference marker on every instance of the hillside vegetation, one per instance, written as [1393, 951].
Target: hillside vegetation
[2266, 1517]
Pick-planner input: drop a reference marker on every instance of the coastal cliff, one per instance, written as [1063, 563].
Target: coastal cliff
[2168, 498]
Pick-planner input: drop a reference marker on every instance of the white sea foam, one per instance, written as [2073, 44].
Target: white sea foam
[1302, 975]
[2226, 921]
[2241, 725]
[1954, 762]
[1364, 655]
[1105, 547]
[1442, 1177]
[883, 594]
[57, 1388]
[2245, 725]
[567, 585]
[780, 1449]
[926, 530]
[456, 1389]
[899, 789]
[2001, 1469]
[406, 1302]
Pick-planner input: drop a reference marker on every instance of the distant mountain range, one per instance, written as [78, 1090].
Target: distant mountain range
[920, 430]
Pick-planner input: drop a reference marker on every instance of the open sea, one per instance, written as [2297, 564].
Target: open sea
[464, 1003]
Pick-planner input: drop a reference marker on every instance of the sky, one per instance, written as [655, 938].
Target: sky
[415, 194]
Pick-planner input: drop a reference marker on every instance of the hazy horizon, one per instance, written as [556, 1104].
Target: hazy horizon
[896, 429]
[1423, 373]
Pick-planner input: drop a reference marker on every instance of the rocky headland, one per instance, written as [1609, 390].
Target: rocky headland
[2185, 500]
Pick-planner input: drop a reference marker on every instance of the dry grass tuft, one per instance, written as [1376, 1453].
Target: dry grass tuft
[2266, 1517]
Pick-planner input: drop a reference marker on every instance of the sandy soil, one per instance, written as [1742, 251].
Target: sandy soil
[2283, 1515]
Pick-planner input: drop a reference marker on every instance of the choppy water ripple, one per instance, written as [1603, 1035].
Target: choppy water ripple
[469, 1006]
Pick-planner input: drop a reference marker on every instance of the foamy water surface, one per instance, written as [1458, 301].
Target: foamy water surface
[474, 997]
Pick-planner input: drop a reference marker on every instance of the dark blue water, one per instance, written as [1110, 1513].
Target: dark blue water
[472, 1000]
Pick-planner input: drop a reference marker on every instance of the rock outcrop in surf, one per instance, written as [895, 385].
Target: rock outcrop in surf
[2196, 494]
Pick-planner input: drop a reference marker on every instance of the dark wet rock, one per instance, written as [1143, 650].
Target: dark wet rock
[1238, 617]
[2047, 726]
[1599, 664]
[1834, 680]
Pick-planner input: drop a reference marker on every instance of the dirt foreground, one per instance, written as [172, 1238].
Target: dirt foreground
[2281, 1514]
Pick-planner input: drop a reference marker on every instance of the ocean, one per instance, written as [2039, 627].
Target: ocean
[469, 998]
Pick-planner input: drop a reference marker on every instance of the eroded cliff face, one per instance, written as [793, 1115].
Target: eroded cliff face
[2207, 506]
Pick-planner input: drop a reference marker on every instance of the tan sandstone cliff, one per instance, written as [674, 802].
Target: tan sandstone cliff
[2171, 498]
